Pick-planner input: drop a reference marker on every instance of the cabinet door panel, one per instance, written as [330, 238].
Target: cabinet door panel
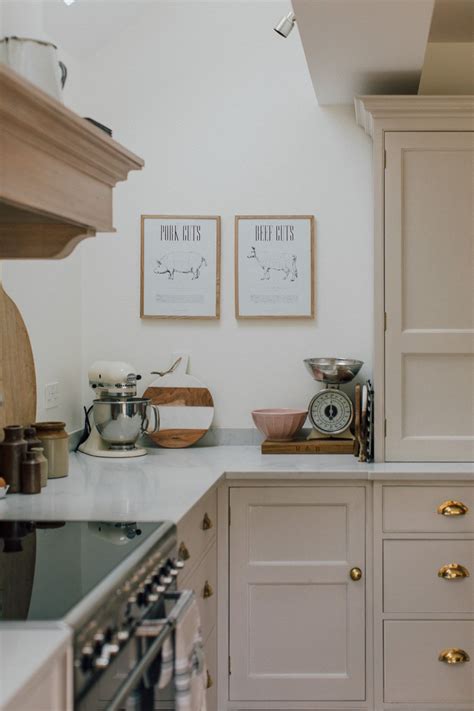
[297, 620]
[429, 296]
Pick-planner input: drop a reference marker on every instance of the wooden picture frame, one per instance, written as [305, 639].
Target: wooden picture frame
[177, 295]
[275, 301]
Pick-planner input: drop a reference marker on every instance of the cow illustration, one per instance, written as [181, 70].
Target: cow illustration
[181, 263]
[277, 261]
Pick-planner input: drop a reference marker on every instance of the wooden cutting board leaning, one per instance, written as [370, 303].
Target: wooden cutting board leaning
[17, 367]
[186, 405]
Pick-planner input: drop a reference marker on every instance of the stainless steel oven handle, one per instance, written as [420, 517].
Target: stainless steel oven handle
[160, 629]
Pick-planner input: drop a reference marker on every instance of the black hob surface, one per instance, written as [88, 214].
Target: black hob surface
[47, 567]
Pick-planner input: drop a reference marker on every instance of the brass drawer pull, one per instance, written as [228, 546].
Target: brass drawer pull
[207, 590]
[206, 523]
[453, 508]
[209, 682]
[356, 574]
[183, 552]
[451, 571]
[454, 656]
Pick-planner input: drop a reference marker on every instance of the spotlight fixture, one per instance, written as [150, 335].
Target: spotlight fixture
[286, 24]
[68, 2]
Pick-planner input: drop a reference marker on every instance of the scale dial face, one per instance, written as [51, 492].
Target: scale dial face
[331, 411]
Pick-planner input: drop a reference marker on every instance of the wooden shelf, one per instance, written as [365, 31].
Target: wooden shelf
[57, 173]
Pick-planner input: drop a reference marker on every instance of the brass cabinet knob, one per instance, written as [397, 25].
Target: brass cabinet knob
[451, 571]
[183, 552]
[355, 573]
[206, 523]
[209, 681]
[207, 590]
[453, 508]
[454, 656]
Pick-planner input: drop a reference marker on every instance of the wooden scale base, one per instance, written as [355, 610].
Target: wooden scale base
[312, 444]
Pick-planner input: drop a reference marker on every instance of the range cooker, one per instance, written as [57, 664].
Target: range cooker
[114, 584]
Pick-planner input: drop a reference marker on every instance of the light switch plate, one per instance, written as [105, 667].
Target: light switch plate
[51, 395]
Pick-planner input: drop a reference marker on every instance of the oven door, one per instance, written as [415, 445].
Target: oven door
[131, 682]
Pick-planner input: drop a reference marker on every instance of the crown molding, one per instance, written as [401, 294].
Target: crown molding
[371, 109]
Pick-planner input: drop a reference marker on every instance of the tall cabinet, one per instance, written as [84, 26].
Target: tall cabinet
[424, 275]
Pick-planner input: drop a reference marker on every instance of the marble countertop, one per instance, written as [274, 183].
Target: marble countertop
[166, 484]
[26, 649]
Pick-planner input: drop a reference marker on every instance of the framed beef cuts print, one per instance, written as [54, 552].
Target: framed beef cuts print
[274, 266]
[180, 266]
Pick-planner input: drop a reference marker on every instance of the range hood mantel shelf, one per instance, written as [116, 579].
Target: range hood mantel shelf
[58, 173]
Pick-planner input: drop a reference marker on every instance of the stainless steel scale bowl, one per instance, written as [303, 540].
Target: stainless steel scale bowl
[333, 371]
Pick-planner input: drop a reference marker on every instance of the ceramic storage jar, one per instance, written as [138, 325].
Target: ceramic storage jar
[55, 441]
[12, 451]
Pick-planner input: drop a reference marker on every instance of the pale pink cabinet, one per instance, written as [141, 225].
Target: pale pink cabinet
[423, 365]
[429, 295]
[297, 618]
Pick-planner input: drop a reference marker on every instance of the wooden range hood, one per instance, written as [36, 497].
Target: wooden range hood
[57, 173]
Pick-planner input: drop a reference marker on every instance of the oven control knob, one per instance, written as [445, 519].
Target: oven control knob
[142, 598]
[108, 650]
[87, 658]
[99, 639]
[165, 579]
[179, 564]
[153, 597]
[102, 662]
[173, 567]
[158, 589]
[123, 635]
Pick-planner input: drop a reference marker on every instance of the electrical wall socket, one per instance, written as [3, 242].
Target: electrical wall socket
[51, 395]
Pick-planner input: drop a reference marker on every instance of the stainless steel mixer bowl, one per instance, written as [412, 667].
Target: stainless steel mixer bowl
[333, 371]
[120, 421]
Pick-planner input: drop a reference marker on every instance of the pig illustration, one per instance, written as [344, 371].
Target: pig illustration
[182, 263]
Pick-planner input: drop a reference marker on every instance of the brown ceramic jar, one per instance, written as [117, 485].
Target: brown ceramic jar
[55, 441]
[12, 450]
[39, 451]
[29, 433]
[30, 474]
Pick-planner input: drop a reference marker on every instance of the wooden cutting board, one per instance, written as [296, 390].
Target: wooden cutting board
[17, 368]
[185, 404]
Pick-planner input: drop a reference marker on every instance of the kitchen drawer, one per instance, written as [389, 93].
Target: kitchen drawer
[204, 583]
[411, 581]
[415, 508]
[210, 649]
[412, 670]
[194, 533]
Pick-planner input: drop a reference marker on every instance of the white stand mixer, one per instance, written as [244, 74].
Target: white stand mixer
[119, 416]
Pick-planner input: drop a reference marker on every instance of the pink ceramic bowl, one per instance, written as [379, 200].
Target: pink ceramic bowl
[279, 424]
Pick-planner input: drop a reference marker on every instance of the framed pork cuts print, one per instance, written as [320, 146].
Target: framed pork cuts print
[180, 267]
[274, 266]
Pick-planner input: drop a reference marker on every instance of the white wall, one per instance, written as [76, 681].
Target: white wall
[223, 111]
[48, 294]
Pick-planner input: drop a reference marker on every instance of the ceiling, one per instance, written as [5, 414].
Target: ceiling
[363, 46]
[453, 21]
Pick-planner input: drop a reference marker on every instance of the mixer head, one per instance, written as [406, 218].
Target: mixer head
[113, 378]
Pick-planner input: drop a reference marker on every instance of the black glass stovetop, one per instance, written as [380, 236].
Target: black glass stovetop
[47, 567]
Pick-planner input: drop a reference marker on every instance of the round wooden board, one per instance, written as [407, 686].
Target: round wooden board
[186, 408]
[17, 368]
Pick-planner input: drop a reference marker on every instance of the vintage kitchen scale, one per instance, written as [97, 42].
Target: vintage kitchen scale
[332, 413]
